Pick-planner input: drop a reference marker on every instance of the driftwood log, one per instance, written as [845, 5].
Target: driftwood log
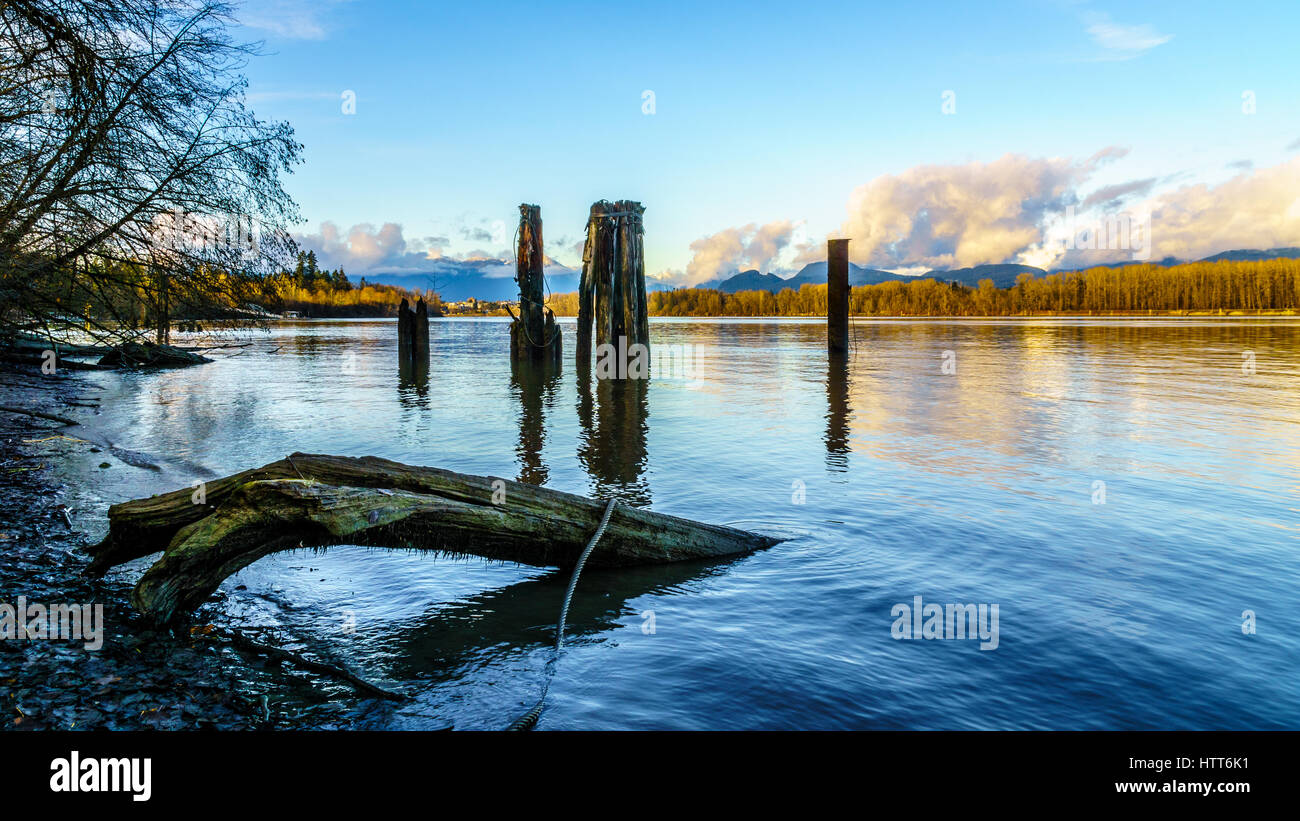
[150, 355]
[307, 501]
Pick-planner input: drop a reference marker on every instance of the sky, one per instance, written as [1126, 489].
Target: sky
[932, 135]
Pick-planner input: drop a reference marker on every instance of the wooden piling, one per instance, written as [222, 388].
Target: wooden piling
[612, 291]
[534, 336]
[420, 329]
[837, 296]
[404, 330]
[412, 335]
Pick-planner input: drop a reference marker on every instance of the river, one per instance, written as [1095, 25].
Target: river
[1126, 492]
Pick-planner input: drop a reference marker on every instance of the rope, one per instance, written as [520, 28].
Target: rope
[529, 719]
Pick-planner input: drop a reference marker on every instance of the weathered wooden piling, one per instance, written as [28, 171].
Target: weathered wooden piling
[420, 331]
[534, 336]
[404, 324]
[412, 333]
[612, 292]
[837, 296]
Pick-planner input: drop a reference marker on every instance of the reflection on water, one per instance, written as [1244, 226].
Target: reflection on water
[976, 483]
[412, 379]
[441, 644]
[614, 420]
[534, 385]
[837, 413]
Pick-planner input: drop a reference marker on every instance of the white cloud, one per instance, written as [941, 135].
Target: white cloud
[364, 249]
[1124, 42]
[955, 216]
[288, 19]
[737, 249]
[1258, 209]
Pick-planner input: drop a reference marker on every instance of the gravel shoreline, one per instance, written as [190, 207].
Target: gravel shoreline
[141, 678]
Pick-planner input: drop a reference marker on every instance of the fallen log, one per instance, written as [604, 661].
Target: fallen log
[308, 501]
[150, 355]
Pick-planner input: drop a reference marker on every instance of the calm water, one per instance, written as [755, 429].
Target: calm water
[1120, 604]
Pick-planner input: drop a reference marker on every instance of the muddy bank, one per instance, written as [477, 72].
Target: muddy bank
[139, 678]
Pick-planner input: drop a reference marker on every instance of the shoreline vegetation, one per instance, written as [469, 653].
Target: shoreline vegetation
[314, 293]
[1224, 288]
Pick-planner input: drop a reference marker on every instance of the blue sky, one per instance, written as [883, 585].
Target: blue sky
[777, 125]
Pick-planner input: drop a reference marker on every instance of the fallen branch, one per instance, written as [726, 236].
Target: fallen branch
[236, 639]
[38, 414]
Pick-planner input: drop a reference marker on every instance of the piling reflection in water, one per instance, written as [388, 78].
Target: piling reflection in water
[534, 385]
[413, 380]
[837, 413]
[612, 414]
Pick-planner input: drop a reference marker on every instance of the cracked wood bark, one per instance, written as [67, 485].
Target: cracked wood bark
[534, 336]
[315, 501]
[837, 296]
[405, 331]
[587, 287]
[420, 330]
[612, 292]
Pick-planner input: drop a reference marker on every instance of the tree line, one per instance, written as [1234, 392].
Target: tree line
[1256, 285]
[315, 292]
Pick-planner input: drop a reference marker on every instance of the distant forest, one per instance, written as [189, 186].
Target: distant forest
[314, 292]
[1250, 286]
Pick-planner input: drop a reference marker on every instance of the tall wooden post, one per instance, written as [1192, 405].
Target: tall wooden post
[612, 291]
[420, 330]
[587, 284]
[534, 336]
[404, 331]
[837, 296]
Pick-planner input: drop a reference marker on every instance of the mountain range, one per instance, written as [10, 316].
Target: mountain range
[814, 273]
[493, 279]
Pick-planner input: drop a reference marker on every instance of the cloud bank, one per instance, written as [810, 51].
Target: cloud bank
[1015, 209]
[364, 249]
[737, 249]
[1012, 209]
[1258, 209]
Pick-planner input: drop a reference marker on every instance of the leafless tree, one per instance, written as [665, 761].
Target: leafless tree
[135, 185]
